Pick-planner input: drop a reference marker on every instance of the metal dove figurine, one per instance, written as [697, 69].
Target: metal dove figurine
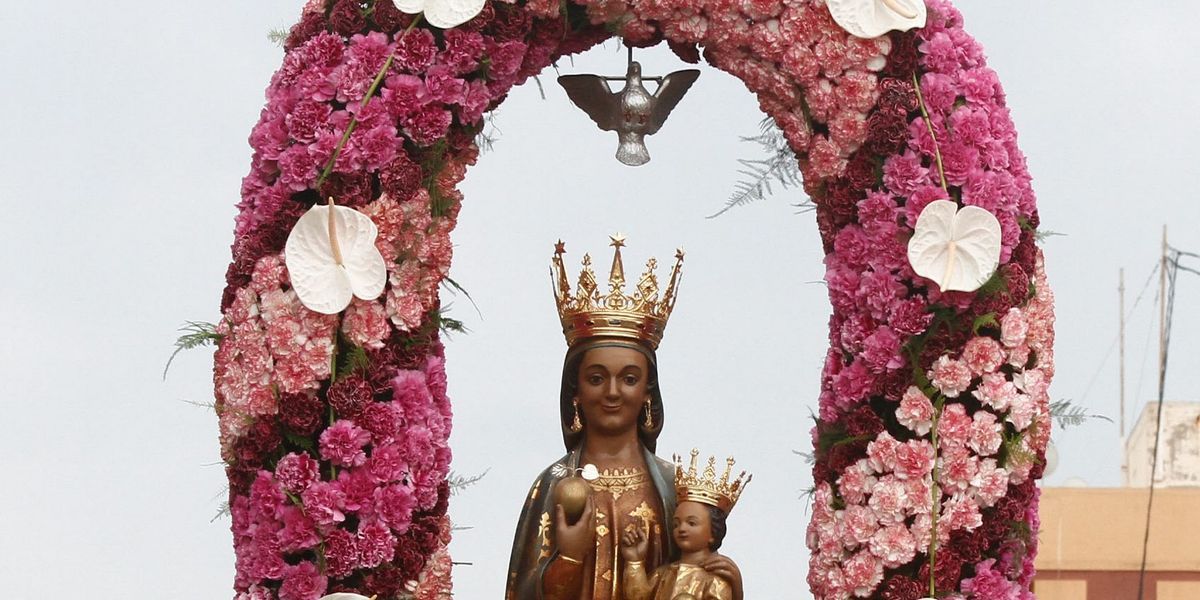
[633, 113]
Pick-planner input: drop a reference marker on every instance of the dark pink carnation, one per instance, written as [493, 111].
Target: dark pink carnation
[323, 502]
[463, 49]
[296, 472]
[299, 532]
[428, 124]
[415, 51]
[376, 544]
[302, 582]
[342, 444]
[394, 505]
[341, 553]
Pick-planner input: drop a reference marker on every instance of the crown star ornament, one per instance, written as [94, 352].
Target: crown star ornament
[587, 312]
[693, 485]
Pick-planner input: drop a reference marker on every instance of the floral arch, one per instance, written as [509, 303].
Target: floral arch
[933, 405]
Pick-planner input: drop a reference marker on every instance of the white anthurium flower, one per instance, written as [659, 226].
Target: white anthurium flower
[345, 596]
[331, 257]
[872, 18]
[958, 249]
[442, 13]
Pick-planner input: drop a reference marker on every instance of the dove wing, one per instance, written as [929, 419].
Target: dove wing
[673, 87]
[592, 94]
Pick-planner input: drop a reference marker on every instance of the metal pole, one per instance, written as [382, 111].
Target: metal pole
[1121, 289]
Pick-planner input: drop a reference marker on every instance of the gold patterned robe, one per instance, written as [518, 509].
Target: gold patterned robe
[672, 580]
[644, 499]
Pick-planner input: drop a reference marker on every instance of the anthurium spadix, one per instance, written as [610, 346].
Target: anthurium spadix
[442, 13]
[873, 18]
[331, 257]
[958, 249]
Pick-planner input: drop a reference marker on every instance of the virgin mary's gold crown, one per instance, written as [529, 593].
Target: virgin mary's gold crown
[587, 313]
[705, 488]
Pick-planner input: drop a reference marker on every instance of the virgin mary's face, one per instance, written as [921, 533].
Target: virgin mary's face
[612, 389]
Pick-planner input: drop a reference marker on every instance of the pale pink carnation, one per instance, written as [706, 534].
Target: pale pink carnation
[914, 459]
[881, 452]
[1013, 328]
[990, 483]
[863, 572]
[1021, 410]
[861, 523]
[958, 468]
[959, 512]
[949, 376]
[985, 434]
[916, 411]
[856, 482]
[1018, 356]
[889, 500]
[954, 426]
[996, 391]
[365, 324]
[983, 355]
[893, 545]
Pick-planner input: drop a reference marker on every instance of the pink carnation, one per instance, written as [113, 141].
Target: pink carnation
[856, 482]
[959, 512]
[954, 426]
[890, 500]
[861, 523]
[958, 468]
[323, 502]
[983, 355]
[394, 504]
[914, 459]
[990, 483]
[949, 376]
[916, 411]
[342, 444]
[893, 545]
[991, 584]
[296, 472]
[882, 453]
[996, 391]
[302, 582]
[1013, 328]
[863, 572]
[1021, 411]
[985, 436]
[376, 544]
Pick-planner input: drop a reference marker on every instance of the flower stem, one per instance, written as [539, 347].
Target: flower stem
[935, 498]
[937, 152]
[387, 64]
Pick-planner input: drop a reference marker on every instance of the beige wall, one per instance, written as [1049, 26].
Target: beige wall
[1178, 590]
[1060, 589]
[1101, 529]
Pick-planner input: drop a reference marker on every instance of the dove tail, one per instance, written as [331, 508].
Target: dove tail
[632, 151]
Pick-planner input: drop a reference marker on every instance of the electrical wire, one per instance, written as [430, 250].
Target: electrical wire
[1112, 346]
[1172, 270]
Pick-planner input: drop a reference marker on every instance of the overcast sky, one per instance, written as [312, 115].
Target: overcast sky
[125, 126]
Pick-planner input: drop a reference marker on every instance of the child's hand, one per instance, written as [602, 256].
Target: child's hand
[634, 545]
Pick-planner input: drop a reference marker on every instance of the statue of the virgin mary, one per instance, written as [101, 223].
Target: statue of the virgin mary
[611, 414]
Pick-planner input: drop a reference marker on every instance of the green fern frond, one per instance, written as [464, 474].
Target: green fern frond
[458, 483]
[779, 167]
[195, 334]
[1068, 414]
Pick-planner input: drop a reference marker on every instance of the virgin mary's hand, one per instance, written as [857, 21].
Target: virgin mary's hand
[575, 541]
[724, 567]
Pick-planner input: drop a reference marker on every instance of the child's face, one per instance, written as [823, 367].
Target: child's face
[691, 527]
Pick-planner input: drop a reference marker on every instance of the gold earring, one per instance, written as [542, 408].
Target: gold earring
[576, 424]
[649, 416]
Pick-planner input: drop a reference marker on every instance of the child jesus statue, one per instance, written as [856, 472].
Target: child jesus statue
[698, 529]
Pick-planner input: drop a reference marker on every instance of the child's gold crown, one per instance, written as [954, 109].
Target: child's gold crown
[587, 313]
[706, 488]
